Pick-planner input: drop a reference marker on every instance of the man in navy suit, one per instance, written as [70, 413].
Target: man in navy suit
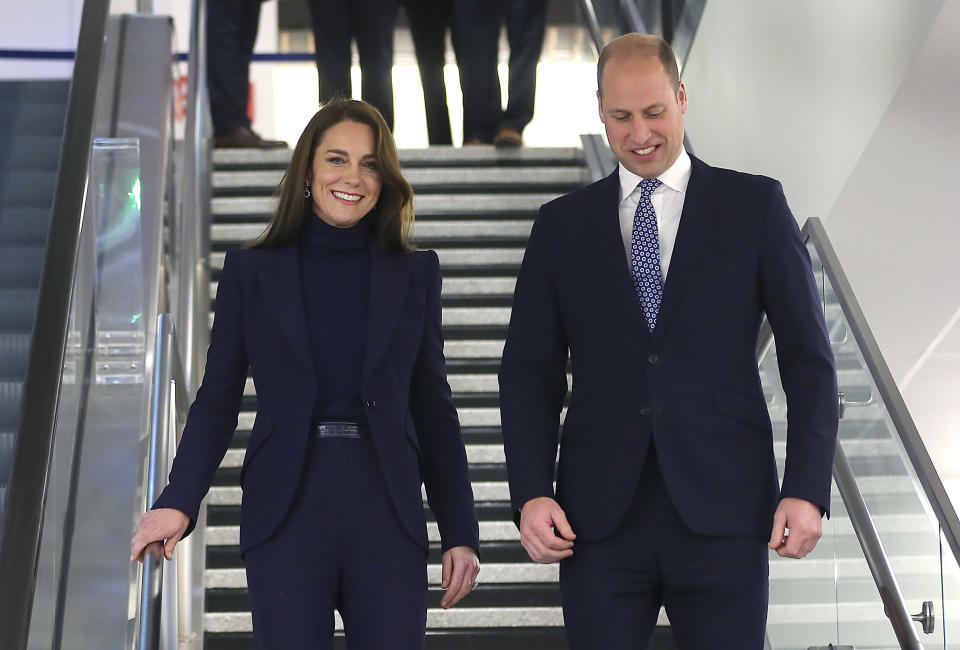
[654, 281]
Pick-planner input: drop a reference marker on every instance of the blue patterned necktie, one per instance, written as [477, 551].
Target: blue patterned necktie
[645, 254]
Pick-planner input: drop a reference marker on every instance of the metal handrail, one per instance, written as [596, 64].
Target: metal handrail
[904, 425]
[192, 270]
[168, 411]
[194, 233]
[26, 495]
[593, 24]
[890, 594]
[895, 606]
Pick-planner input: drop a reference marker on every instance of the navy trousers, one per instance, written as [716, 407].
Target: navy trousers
[341, 547]
[429, 21]
[476, 34]
[231, 32]
[338, 22]
[713, 588]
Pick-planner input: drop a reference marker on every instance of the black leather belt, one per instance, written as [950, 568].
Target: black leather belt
[337, 429]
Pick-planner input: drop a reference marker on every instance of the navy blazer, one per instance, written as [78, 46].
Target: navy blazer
[692, 385]
[261, 325]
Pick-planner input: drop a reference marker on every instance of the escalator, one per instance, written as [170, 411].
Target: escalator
[32, 115]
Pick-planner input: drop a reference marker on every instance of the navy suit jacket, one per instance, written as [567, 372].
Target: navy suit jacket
[692, 385]
[261, 325]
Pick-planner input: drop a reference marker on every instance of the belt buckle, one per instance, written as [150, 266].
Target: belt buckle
[334, 429]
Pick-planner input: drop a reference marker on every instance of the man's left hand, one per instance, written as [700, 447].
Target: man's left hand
[796, 528]
[459, 569]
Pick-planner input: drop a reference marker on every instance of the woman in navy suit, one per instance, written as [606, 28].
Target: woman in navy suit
[338, 321]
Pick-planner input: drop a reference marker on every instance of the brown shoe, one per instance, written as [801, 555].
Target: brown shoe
[246, 138]
[507, 137]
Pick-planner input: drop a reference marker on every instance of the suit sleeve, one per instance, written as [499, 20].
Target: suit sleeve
[533, 380]
[444, 459]
[807, 371]
[212, 418]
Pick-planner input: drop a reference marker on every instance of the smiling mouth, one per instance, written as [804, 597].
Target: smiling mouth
[346, 196]
[646, 151]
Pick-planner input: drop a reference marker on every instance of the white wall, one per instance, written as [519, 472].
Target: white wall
[853, 106]
[38, 25]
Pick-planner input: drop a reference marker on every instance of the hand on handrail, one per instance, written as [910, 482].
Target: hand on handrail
[159, 531]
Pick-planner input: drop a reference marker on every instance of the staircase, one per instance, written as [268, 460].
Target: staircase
[32, 115]
[475, 207]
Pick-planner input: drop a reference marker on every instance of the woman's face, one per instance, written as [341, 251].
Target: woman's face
[344, 178]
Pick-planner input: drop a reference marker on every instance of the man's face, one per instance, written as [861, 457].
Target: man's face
[642, 114]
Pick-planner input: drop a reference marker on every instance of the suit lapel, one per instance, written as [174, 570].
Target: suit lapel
[389, 278]
[612, 258]
[280, 283]
[686, 249]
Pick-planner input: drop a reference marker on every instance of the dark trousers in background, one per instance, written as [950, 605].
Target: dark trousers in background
[341, 547]
[231, 32]
[370, 22]
[713, 588]
[429, 21]
[476, 32]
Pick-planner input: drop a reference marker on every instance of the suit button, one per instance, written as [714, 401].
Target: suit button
[646, 410]
[653, 359]
[371, 403]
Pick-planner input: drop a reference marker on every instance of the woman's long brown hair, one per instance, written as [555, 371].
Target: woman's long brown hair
[390, 219]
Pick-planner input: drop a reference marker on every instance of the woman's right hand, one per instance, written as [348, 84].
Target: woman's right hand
[159, 529]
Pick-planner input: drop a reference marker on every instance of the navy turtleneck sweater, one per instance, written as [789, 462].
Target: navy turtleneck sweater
[334, 281]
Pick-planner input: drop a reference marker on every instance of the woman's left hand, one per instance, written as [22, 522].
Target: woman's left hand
[460, 566]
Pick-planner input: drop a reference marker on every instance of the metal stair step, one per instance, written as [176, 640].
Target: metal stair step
[431, 157]
[525, 204]
[428, 179]
[438, 230]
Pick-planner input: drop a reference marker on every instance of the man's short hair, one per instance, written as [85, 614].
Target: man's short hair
[646, 45]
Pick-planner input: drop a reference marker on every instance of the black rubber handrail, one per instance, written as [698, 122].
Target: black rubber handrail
[26, 494]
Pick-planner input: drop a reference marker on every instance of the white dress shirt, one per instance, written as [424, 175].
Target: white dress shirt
[667, 202]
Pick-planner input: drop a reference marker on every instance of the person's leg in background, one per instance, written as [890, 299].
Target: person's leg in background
[331, 37]
[526, 25]
[476, 33]
[429, 20]
[372, 23]
[231, 32]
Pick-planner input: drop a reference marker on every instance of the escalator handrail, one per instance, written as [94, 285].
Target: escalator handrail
[26, 494]
[905, 427]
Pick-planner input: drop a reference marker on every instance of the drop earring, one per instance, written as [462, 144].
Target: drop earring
[306, 189]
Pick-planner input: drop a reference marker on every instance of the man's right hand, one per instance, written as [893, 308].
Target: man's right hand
[158, 532]
[539, 518]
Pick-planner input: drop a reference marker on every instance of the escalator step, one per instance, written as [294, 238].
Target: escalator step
[17, 309]
[32, 119]
[6, 454]
[14, 355]
[10, 393]
[21, 266]
[33, 189]
[35, 91]
[38, 152]
[24, 226]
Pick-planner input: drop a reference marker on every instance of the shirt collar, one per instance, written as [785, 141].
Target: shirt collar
[676, 177]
